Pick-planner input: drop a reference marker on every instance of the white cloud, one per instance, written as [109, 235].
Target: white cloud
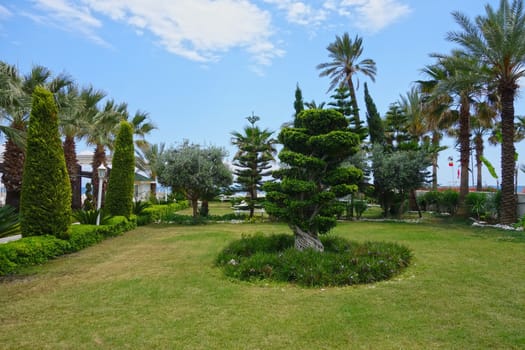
[373, 15]
[4, 12]
[199, 30]
[298, 12]
[63, 14]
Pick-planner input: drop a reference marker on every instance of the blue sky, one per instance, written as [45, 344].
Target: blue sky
[200, 67]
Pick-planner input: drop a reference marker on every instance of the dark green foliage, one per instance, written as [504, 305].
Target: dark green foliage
[119, 195]
[252, 161]
[342, 263]
[160, 212]
[45, 206]
[37, 250]
[375, 123]
[298, 104]
[89, 217]
[9, 221]
[312, 177]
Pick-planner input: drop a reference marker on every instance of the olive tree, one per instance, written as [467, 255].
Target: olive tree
[199, 173]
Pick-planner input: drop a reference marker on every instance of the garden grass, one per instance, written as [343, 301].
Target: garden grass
[156, 287]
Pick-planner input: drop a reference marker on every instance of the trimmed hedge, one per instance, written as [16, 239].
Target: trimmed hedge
[39, 249]
[342, 263]
[160, 212]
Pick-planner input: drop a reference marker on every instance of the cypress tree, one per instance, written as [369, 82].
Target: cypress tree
[45, 204]
[375, 124]
[119, 196]
[298, 104]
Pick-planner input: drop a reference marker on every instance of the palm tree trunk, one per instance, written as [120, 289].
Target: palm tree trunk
[14, 158]
[435, 155]
[464, 153]
[478, 142]
[508, 152]
[72, 166]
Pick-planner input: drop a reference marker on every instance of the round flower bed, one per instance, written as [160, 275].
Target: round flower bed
[342, 263]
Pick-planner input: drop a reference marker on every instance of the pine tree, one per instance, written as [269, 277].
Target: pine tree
[375, 124]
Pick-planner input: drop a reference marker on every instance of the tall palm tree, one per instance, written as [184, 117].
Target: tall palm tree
[101, 126]
[345, 54]
[73, 122]
[461, 77]
[498, 39]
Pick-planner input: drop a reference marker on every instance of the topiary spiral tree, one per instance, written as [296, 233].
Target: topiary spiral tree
[311, 177]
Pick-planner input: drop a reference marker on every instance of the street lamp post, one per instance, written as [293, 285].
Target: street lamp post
[101, 174]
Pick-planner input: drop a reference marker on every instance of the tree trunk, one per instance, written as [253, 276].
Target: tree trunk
[464, 153]
[14, 158]
[305, 240]
[435, 155]
[478, 142]
[72, 166]
[508, 152]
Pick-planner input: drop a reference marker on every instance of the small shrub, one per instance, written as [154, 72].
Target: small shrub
[139, 207]
[9, 221]
[448, 201]
[360, 206]
[342, 263]
[89, 217]
[476, 202]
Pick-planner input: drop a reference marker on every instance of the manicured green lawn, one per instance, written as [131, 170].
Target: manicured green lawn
[156, 288]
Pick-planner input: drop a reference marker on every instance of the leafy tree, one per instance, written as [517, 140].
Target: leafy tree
[311, 178]
[199, 173]
[342, 103]
[45, 205]
[345, 54]
[396, 175]
[498, 39]
[256, 149]
[119, 196]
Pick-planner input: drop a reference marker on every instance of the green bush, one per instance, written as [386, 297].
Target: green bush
[45, 202]
[160, 212]
[477, 204]
[342, 263]
[140, 206]
[119, 196]
[448, 201]
[38, 249]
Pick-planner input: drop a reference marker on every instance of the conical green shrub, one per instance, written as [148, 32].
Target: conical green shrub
[45, 204]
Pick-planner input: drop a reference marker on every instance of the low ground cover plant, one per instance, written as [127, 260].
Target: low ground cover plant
[342, 263]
